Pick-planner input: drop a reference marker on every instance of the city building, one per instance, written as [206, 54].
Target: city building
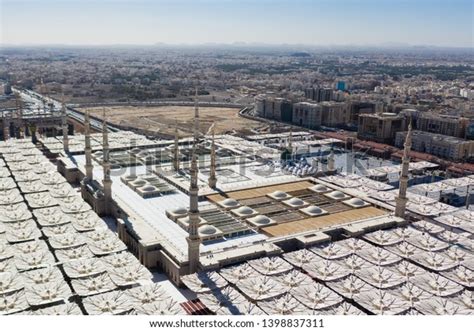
[442, 124]
[308, 115]
[319, 94]
[439, 145]
[380, 127]
[278, 109]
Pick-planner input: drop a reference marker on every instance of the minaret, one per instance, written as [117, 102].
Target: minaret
[290, 141]
[106, 182]
[193, 237]
[401, 200]
[176, 148]
[212, 176]
[64, 127]
[88, 149]
[196, 117]
[331, 164]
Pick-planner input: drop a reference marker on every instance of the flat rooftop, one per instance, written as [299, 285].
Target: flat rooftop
[323, 222]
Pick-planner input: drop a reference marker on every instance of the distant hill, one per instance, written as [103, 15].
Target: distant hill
[300, 54]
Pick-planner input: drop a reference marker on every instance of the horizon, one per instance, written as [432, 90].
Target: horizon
[302, 23]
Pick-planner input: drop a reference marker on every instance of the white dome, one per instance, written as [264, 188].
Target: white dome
[320, 187]
[261, 220]
[207, 229]
[337, 194]
[230, 202]
[279, 194]
[179, 211]
[148, 188]
[138, 182]
[356, 201]
[314, 210]
[295, 202]
[245, 210]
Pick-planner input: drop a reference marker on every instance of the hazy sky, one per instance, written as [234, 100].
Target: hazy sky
[318, 22]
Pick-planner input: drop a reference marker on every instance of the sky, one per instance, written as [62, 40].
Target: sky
[310, 22]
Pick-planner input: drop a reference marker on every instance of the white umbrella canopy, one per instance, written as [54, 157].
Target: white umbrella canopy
[30, 247]
[435, 261]
[6, 250]
[236, 274]
[83, 268]
[42, 276]
[17, 235]
[436, 284]
[379, 256]
[107, 246]
[466, 301]
[300, 257]
[331, 251]
[439, 306]
[270, 265]
[316, 296]
[164, 307]
[405, 250]
[130, 275]
[381, 303]
[40, 200]
[284, 305]
[87, 221]
[467, 215]
[428, 243]
[62, 309]
[10, 282]
[7, 265]
[354, 244]
[260, 288]
[350, 287]
[119, 260]
[380, 277]
[429, 227]
[13, 302]
[51, 216]
[292, 280]
[326, 270]
[47, 293]
[67, 240]
[93, 285]
[146, 294]
[354, 264]
[410, 294]
[343, 308]
[203, 282]
[80, 252]
[460, 275]
[51, 231]
[33, 260]
[111, 303]
[223, 301]
[407, 269]
[460, 256]
[382, 238]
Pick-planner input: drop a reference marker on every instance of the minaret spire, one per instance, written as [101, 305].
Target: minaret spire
[193, 235]
[196, 117]
[107, 182]
[212, 176]
[64, 126]
[331, 161]
[401, 200]
[176, 148]
[88, 149]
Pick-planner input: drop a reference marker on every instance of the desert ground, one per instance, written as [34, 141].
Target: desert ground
[161, 120]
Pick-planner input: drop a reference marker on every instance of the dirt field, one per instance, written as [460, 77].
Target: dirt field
[161, 120]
